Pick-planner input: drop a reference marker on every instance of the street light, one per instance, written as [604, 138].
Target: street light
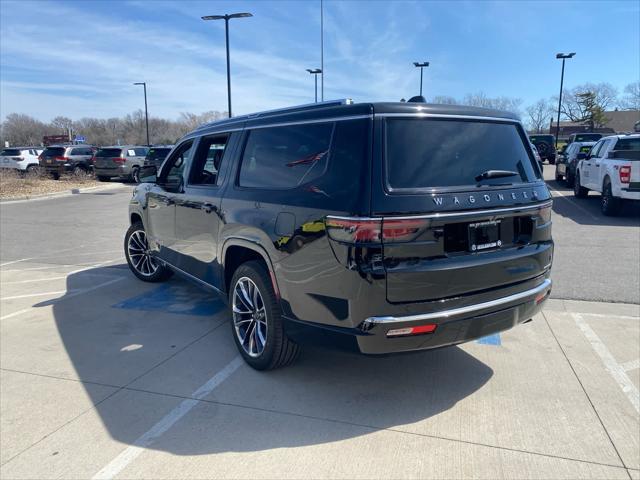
[146, 112]
[563, 56]
[315, 73]
[226, 19]
[421, 67]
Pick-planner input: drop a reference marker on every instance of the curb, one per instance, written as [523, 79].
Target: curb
[63, 193]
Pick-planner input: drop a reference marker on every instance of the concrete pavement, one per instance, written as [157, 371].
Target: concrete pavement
[104, 376]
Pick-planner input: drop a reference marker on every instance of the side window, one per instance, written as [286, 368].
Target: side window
[140, 152]
[596, 149]
[171, 176]
[285, 157]
[207, 160]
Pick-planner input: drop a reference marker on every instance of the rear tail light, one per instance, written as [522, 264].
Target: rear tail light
[118, 159]
[419, 330]
[62, 159]
[625, 174]
[374, 230]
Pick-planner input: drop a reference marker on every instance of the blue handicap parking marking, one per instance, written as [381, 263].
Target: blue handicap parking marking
[175, 297]
[490, 340]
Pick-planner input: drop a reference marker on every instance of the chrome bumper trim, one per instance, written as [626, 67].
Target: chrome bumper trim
[462, 310]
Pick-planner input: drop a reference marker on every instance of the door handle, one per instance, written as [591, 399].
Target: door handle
[167, 201]
[597, 164]
[208, 208]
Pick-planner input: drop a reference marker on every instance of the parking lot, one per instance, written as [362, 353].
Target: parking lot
[104, 376]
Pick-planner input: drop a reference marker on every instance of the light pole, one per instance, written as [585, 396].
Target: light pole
[226, 19]
[421, 67]
[146, 112]
[563, 56]
[315, 73]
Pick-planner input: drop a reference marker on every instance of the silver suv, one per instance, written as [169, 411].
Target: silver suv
[119, 161]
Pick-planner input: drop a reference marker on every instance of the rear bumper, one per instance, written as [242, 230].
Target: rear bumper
[630, 194]
[457, 325]
[121, 171]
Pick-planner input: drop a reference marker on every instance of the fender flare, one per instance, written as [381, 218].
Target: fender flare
[250, 245]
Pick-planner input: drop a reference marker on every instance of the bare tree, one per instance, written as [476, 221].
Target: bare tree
[631, 98]
[603, 96]
[499, 103]
[538, 115]
[20, 129]
[444, 100]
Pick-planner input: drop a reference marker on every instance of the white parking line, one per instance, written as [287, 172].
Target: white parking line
[15, 261]
[88, 267]
[77, 292]
[632, 365]
[133, 451]
[607, 315]
[43, 294]
[613, 367]
[558, 193]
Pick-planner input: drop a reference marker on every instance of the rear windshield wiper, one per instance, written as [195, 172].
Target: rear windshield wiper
[495, 174]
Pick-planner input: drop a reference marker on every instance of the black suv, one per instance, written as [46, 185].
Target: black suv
[546, 145]
[381, 227]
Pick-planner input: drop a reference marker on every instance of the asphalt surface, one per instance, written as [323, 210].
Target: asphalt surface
[104, 376]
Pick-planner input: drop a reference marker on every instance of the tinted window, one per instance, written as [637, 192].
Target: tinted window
[587, 137]
[425, 153]
[172, 172]
[108, 152]
[140, 151]
[53, 151]
[285, 157]
[207, 160]
[10, 152]
[158, 153]
[628, 144]
[81, 151]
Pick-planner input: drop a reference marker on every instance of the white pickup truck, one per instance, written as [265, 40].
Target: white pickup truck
[612, 167]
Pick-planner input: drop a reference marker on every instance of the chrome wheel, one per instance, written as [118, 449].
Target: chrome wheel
[139, 255]
[249, 316]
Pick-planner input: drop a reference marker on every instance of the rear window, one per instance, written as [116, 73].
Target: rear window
[430, 153]
[542, 138]
[108, 152]
[285, 157]
[10, 152]
[628, 144]
[53, 151]
[157, 153]
[587, 137]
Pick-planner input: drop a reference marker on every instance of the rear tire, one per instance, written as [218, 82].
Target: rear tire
[55, 176]
[140, 261]
[559, 177]
[569, 180]
[256, 319]
[33, 170]
[578, 190]
[135, 175]
[609, 205]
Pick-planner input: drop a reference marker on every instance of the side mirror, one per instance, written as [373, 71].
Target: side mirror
[581, 156]
[148, 174]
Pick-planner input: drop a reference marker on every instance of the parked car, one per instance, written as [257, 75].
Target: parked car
[611, 168]
[119, 161]
[536, 155]
[567, 161]
[157, 154]
[583, 137]
[58, 159]
[23, 159]
[383, 227]
[546, 145]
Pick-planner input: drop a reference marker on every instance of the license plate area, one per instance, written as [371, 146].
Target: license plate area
[484, 236]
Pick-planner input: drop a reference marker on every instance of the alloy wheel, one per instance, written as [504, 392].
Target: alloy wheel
[249, 317]
[138, 250]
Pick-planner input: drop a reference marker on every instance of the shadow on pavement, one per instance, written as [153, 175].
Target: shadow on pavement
[586, 211]
[376, 392]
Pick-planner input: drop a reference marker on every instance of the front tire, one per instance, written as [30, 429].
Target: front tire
[140, 261]
[256, 319]
[578, 190]
[609, 205]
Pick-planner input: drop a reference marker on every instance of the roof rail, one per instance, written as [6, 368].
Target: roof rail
[295, 108]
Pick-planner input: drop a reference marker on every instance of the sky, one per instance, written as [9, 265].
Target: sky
[80, 58]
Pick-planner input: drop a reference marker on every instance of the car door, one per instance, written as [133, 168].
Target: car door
[161, 201]
[595, 161]
[586, 170]
[198, 217]
[600, 165]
